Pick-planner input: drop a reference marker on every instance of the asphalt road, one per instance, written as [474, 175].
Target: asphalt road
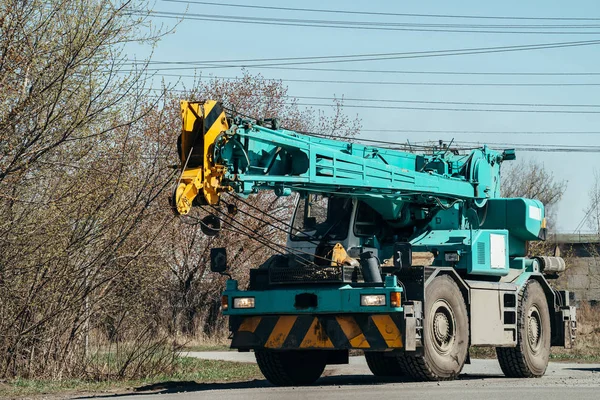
[482, 379]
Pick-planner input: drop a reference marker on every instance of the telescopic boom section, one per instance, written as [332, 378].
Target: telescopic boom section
[245, 156]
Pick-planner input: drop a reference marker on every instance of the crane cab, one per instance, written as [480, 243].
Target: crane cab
[319, 222]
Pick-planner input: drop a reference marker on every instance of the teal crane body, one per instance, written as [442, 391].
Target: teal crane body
[444, 202]
[289, 161]
[412, 257]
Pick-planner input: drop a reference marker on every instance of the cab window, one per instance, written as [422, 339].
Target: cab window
[317, 217]
[368, 221]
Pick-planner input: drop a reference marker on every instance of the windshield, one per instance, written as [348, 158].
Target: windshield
[319, 216]
[368, 222]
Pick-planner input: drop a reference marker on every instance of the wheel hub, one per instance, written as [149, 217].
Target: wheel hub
[443, 328]
[534, 325]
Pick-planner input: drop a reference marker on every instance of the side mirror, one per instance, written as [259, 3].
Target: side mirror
[218, 260]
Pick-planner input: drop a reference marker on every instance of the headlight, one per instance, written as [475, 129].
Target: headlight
[452, 256]
[372, 300]
[224, 302]
[243, 302]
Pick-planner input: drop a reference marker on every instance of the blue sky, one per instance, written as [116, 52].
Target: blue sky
[203, 40]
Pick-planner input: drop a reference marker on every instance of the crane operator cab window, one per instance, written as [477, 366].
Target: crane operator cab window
[368, 222]
[322, 217]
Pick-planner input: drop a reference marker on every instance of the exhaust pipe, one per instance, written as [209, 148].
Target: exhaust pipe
[370, 267]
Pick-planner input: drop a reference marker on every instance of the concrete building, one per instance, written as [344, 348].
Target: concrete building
[582, 256]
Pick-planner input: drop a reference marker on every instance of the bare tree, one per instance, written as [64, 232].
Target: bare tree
[91, 257]
[592, 211]
[79, 182]
[532, 180]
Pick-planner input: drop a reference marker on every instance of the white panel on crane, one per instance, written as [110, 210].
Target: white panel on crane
[497, 251]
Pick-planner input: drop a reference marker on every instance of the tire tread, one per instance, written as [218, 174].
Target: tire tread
[380, 365]
[512, 359]
[415, 365]
[274, 368]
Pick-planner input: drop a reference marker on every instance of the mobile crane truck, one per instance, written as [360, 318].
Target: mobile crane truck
[412, 258]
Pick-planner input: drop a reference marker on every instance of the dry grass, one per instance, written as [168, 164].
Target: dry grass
[204, 343]
[187, 371]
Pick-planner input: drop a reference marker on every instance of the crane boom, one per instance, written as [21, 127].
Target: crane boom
[247, 157]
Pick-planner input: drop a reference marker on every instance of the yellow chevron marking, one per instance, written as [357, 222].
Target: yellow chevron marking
[280, 332]
[205, 178]
[212, 173]
[208, 105]
[388, 329]
[353, 332]
[316, 337]
[249, 324]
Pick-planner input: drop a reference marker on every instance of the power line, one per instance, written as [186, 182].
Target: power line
[523, 146]
[344, 99]
[362, 140]
[549, 146]
[448, 109]
[445, 102]
[413, 72]
[410, 146]
[386, 83]
[382, 13]
[554, 150]
[376, 25]
[408, 72]
[356, 23]
[452, 109]
[483, 132]
[368, 57]
[350, 25]
[467, 146]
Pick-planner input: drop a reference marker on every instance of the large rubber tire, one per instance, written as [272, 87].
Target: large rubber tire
[529, 358]
[445, 334]
[382, 365]
[291, 368]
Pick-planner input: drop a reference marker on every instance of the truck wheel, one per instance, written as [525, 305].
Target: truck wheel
[445, 334]
[529, 358]
[380, 365]
[291, 368]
